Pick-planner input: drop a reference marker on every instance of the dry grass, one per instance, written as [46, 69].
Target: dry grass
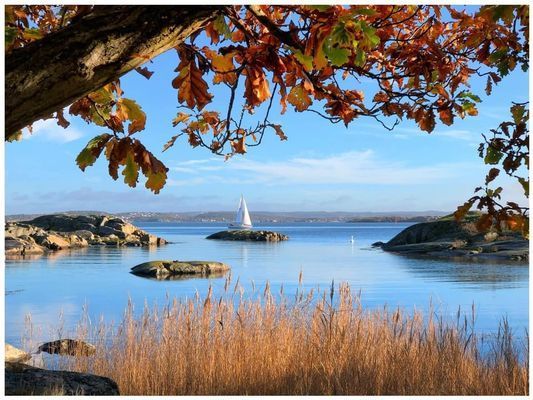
[321, 344]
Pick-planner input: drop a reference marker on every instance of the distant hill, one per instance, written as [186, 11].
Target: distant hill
[260, 216]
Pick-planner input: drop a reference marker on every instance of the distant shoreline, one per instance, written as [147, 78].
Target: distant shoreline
[258, 216]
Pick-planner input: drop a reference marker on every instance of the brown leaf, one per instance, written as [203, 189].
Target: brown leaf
[256, 86]
[61, 121]
[239, 145]
[144, 72]
[484, 223]
[446, 116]
[279, 132]
[493, 173]
[463, 210]
[192, 88]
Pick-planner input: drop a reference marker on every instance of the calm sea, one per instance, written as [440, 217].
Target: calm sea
[56, 288]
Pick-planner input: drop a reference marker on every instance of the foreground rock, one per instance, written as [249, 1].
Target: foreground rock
[169, 269]
[22, 379]
[248, 235]
[68, 347]
[58, 232]
[450, 239]
[12, 354]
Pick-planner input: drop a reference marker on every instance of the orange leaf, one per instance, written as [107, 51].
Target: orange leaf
[446, 116]
[192, 89]
[299, 98]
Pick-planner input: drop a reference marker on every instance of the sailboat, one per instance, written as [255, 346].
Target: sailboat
[242, 219]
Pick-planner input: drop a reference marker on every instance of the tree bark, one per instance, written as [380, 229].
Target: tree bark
[96, 49]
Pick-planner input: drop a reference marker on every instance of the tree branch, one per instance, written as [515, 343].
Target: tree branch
[96, 49]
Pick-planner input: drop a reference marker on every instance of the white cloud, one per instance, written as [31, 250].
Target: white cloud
[356, 167]
[50, 131]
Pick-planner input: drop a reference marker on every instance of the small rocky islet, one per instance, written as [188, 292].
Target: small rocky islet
[447, 238]
[249, 235]
[60, 231]
[169, 270]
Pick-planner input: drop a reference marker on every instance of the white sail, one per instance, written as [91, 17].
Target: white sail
[238, 217]
[246, 221]
[242, 219]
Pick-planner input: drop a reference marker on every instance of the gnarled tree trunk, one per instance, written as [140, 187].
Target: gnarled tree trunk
[99, 47]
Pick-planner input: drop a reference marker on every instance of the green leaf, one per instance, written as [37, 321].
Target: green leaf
[369, 35]
[525, 185]
[92, 151]
[360, 58]
[471, 96]
[306, 61]
[156, 181]
[518, 112]
[101, 96]
[364, 11]
[221, 27]
[131, 171]
[497, 55]
[318, 7]
[337, 55]
[493, 156]
[32, 34]
[10, 35]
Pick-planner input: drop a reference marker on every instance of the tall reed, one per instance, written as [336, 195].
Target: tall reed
[315, 343]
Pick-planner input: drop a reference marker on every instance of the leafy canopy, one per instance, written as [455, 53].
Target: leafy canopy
[312, 59]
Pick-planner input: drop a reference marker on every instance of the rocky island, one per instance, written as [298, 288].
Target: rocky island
[248, 235]
[60, 231]
[167, 270]
[447, 238]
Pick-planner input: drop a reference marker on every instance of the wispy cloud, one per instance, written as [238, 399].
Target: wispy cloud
[49, 130]
[356, 167]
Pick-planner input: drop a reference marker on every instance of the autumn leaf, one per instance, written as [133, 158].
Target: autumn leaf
[61, 121]
[131, 171]
[279, 132]
[426, 121]
[299, 98]
[256, 86]
[517, 111]
[484, 223]
[92, 151]
[463, 210]
[101, 96]
[181, 117]
[133, 112]
[144, 72]
[446, 116]
[156, 181]
[171, 142]
[192, 88]
[239, 145]
[493, 173]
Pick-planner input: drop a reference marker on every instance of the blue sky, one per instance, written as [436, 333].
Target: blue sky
[320, 167]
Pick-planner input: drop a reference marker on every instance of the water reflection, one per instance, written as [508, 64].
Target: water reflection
[497, 275]
[182, 277]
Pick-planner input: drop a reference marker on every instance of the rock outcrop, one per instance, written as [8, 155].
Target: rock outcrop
[164, 270]
[249, 235]
[12, 354]
[60, 231]
[451, 239]
[22, 379]
[68, 347]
